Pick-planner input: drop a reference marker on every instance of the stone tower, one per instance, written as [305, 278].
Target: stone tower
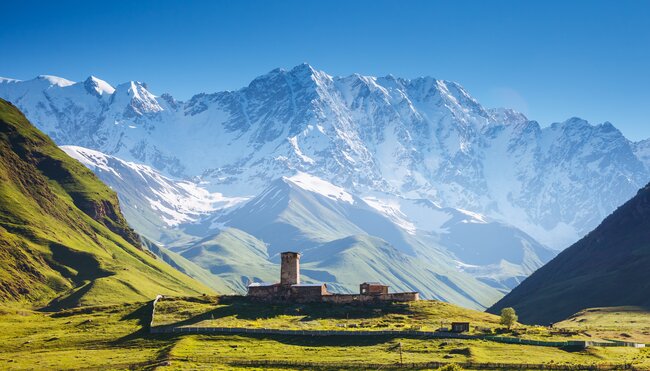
[290, 268]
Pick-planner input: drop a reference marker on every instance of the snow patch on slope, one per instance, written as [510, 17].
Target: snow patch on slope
[391, 209]
[177, 201]
[317, 185]
[473, 217]
[7, 80]
[94, 160]
[420, 214]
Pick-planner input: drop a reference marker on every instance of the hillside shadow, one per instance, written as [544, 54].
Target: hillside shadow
[572, 349]
[86, 265]
[245, 309]
[142, 315]
[69, 300]
[254, 310]
[325, 341]
[82, 268]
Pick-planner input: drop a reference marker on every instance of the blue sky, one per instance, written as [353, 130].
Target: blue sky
[549, 59]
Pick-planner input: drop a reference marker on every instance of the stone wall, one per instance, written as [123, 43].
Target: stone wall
[373, 289]
[356, 298]
[284, 293]
[401, 296]
[267, 291]
[307, 294]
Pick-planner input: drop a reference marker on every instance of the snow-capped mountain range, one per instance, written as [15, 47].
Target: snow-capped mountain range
[419, 138]
[466, 191]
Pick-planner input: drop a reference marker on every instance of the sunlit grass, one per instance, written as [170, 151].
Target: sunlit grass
[116, 337]
[425, 315]
[620, 323]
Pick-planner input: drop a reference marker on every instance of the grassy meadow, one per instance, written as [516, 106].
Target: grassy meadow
[423, 315]
[212, 311]
[116, 337]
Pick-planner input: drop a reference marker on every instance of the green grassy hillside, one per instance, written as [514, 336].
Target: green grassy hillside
[346, 242]
[618, 323]
[362, 258]
[608, 267]
[233, 256]
[116, 337]
[189, 268]
[233, 311]
[63, 240]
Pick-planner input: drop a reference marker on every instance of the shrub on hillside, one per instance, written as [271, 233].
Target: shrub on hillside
[450, 367]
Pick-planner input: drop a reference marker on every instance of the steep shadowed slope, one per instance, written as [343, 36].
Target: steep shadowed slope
[63, 239]
[609, 267]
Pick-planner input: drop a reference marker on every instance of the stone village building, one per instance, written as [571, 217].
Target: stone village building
[290, 289]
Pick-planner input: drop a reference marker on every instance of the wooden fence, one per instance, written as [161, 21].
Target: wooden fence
[268, 331]
[396, 333]
[411, 365]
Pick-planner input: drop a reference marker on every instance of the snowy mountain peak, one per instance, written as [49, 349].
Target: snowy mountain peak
[6, 80]
[507, 116]
[300, 76]
[580, 129]
[98, 87]
[608, 127]
[136, 98]
[576, 121]
[304, 68]
[306, 71]
[55, 80]
[131, 87]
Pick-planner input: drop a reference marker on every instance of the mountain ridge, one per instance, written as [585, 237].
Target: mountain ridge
[422, 138]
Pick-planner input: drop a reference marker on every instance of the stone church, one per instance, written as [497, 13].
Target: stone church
[289, 289]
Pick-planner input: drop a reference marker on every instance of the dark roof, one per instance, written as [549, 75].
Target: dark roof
[290, 252]
[374, 283]
[258, 284]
